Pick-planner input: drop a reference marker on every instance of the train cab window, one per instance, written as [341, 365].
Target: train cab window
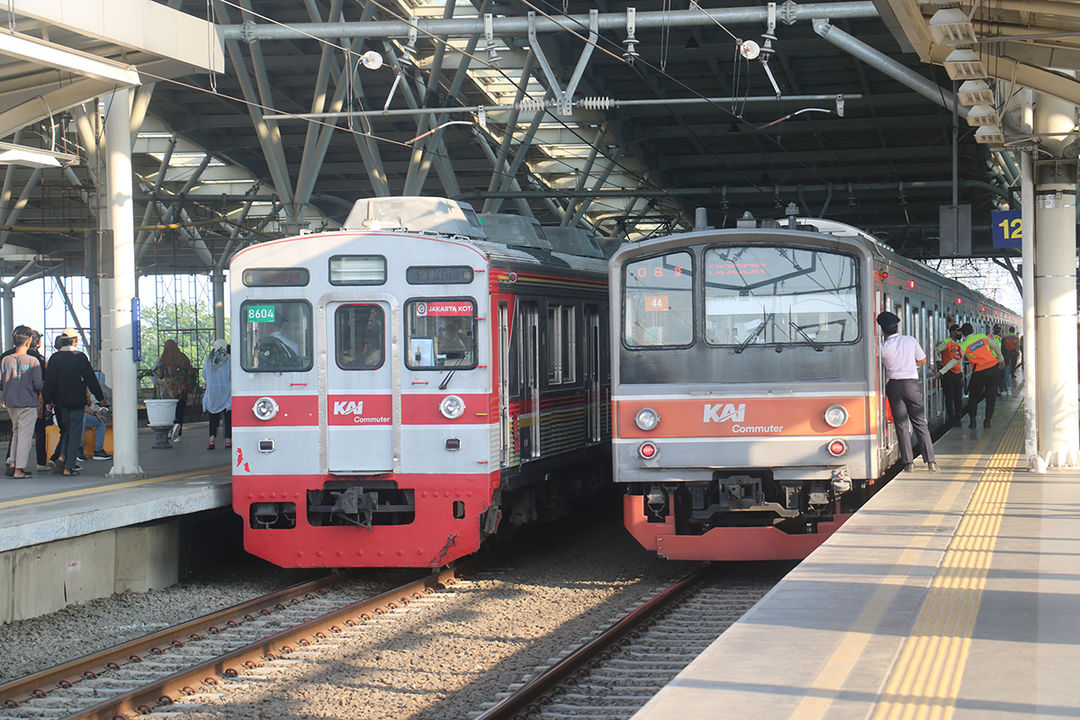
[360, 332]
[658, 301]
[440, 333]
[276, 336]
[779, 296]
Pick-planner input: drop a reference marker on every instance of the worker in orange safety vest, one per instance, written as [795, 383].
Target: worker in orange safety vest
[985, 357]
[951, 372]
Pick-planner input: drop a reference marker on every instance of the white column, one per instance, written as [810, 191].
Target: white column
[1055, 286]
[121, 209]
[218, 278]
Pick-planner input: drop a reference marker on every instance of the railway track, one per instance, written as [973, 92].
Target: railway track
[614, 673]
[151, 672]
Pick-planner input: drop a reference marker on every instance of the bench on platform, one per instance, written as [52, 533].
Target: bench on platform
[52, 436]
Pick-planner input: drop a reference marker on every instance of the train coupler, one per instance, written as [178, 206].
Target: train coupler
[841, 481]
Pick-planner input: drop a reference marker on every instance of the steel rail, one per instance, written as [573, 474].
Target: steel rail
[87, 667]
[161, 693]
[532, 691]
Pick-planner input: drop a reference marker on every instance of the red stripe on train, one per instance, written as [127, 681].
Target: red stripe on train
[367, 409]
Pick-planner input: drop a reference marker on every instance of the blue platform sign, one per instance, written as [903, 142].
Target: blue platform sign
[1007, 228]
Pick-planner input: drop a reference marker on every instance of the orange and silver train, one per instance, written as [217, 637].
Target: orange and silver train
[411, 385]
[749, 415]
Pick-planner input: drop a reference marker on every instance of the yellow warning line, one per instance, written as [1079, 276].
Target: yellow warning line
[925, 681]
[97, 489]
[844, 658]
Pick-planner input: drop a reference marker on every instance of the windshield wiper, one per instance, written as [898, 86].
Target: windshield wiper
[446, 380]
[752, 336]
[813, 343]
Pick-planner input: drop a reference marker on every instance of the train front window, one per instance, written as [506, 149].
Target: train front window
[779, 296]
[276, 336]
[359, 331]
[658, 301]
[440, 334]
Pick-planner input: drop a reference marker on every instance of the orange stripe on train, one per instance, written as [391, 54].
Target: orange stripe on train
[742, 417]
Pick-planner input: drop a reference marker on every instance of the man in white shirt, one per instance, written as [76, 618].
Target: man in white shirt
[902, 356]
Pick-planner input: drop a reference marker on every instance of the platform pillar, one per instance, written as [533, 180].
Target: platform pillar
[218, 281]
[122, 220]
[1055, 285]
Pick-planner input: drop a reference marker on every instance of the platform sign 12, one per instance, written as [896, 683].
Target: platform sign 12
[1007, 228]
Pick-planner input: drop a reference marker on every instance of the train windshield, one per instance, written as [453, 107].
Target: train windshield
[276, 336]
[440, 334]
[779, 296]
[659, 303]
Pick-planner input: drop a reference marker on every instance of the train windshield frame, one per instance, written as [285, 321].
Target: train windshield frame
[779, 295]
[440, 333]
[658, 300]
[276, 335]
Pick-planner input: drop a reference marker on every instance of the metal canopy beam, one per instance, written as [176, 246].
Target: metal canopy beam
[460, 27]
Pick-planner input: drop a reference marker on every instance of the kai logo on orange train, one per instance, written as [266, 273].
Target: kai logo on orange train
[725, 412]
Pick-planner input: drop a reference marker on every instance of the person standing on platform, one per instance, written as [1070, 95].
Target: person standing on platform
[174, 377]
[1004, 386]
[1010, 351]
[951, 372]
[217, 400]
[67, 378]
[44, 419]
[986, 361]
[902, 356]
[21, 380]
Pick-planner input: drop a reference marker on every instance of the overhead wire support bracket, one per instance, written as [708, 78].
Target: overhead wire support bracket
[564, 99]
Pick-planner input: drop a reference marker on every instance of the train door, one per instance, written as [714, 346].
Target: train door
[359, 387]
[505, 438]
[529, 422]
[888, 431]
[593, 387]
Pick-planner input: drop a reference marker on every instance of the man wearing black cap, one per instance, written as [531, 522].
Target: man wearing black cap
[902, 356]
[951, 372]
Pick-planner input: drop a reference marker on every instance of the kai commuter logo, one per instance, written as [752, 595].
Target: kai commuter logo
[725, 412]
[349, 407]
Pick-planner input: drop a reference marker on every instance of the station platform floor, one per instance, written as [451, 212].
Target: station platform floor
[949, 595]
[184, 479]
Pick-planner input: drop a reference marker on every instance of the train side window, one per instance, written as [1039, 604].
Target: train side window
[359, 332]
[658, 305]
[276, 336]
[562, 344]
[440, 333]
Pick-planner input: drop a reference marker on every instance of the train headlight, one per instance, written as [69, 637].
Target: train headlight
[452, 407]
[647, 450]
[837, 447]
[265, 408]
[646, 419]
[836, 415]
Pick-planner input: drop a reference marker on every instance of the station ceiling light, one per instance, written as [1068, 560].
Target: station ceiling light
[990, 135]
[11, 154]
[983, 115]
[975, 92]
[952, 27]
[964, 65]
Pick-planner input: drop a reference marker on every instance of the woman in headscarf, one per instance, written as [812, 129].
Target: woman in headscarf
[174, 380]
[217, 400]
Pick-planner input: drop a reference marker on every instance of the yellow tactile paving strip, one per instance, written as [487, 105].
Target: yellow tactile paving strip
[109, 487]
[845, 658]
[926, 677]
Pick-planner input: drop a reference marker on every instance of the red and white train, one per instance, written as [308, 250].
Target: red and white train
[408, 386]
[749, 420]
